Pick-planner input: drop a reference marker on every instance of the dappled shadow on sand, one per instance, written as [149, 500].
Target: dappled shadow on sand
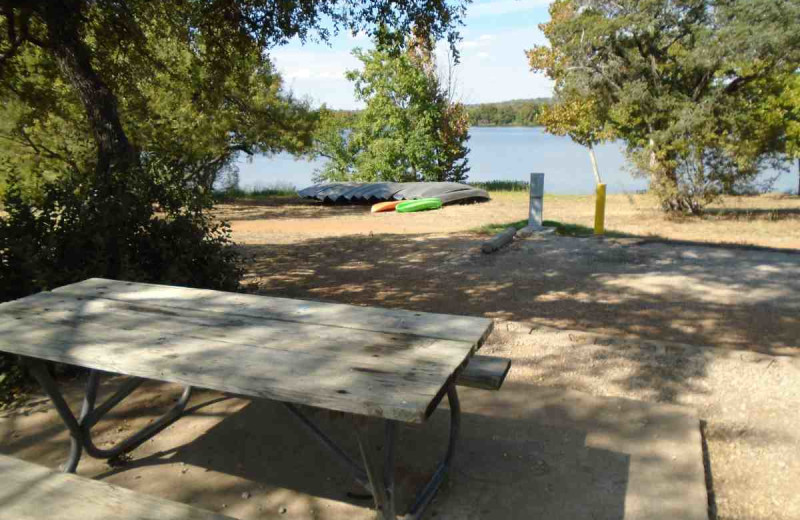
[524, 452]
[688, 294]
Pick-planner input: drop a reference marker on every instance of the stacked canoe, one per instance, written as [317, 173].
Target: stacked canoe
[373, 192]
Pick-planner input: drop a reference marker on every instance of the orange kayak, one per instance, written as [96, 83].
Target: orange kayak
[385, 206]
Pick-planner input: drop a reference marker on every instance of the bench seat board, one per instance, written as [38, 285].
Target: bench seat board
[33, 492]
[327, 362]
[486, 372]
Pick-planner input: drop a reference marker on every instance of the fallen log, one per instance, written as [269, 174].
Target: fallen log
[499, 240]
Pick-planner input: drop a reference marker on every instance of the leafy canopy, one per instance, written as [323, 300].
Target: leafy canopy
[690, 86]
[167, 109]
[410, 130]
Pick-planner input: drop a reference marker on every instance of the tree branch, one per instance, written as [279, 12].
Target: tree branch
[11, 31]
[738, 82]
[17, 38]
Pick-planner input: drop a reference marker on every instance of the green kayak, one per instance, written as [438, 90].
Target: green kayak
[410, 206]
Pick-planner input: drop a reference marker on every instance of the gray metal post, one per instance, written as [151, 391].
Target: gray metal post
[537, 194]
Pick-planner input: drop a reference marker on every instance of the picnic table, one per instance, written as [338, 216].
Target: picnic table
[393, 365]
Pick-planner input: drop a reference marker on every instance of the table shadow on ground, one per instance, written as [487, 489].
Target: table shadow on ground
[504, 467]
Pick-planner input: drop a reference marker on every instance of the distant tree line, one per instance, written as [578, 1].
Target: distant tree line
[516, 112]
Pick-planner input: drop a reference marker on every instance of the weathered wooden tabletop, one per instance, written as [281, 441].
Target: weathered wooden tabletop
[364, 360]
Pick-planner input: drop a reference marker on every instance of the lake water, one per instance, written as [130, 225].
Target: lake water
[498, 154]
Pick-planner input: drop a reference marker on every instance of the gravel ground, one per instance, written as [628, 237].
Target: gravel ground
[749, 404]
[715, 296]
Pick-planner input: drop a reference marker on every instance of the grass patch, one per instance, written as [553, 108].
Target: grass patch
[493, 229]
[569, 230]
[562, 229]
[501, 185]
[255, 192]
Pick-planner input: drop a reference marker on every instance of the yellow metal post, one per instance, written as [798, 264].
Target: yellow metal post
[600, 210]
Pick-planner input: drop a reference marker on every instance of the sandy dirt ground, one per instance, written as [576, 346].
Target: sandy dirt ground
[749, 404]
[613, 318]
[768, 220]
[691, 289]
[737, 297]
[526, 452]
[541, 447]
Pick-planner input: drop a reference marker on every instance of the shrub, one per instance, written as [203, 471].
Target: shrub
[59, 240]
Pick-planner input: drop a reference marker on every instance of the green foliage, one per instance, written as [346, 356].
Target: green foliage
[60, 239]
[790, 105]
[175, 105]
[692, 87]
[493, 229]
[411, 130]
[501, 185]
[235, 193]
[517, 112]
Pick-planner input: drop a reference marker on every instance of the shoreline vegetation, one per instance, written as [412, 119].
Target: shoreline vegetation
[511, 113]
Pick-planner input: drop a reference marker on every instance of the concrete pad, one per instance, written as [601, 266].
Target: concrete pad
[525, 452]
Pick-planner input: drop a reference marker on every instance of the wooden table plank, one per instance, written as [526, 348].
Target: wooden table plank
[392, 374]
[257, 332]
[442, 326]
[33, 492]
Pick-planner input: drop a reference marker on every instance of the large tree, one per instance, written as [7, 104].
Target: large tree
[166, 107]
[154, 98]
[791, 101]
[685, 84]
[412, 128]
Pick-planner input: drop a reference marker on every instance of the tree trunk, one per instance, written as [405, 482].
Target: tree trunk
[798, 177]
[595, 169]
[115, 155]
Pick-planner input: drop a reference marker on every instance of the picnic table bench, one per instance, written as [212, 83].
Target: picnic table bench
[393, 365]
[33, 492]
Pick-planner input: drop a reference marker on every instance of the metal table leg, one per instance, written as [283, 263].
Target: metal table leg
[382, 479]
[378, 476]
[81, 429]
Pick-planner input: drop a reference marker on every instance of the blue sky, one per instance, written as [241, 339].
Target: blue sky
[493, 65]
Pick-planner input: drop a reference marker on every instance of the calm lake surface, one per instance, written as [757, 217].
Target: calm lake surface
[498, 154]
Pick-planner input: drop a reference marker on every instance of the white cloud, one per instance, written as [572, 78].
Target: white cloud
[504, 7]
[483, 40]
[313, 64]
[317, 73]
[493, 67]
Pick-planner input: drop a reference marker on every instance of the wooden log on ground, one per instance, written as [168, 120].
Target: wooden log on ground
[499, 240]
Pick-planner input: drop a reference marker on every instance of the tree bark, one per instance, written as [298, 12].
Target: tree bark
[115, 155]
[595, 169]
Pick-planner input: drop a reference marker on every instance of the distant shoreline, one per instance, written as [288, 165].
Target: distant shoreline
[506, 126]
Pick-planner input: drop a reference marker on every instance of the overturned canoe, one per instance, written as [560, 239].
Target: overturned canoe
[474, 195]
[355, 193]
[411, 206]
[385, 206]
